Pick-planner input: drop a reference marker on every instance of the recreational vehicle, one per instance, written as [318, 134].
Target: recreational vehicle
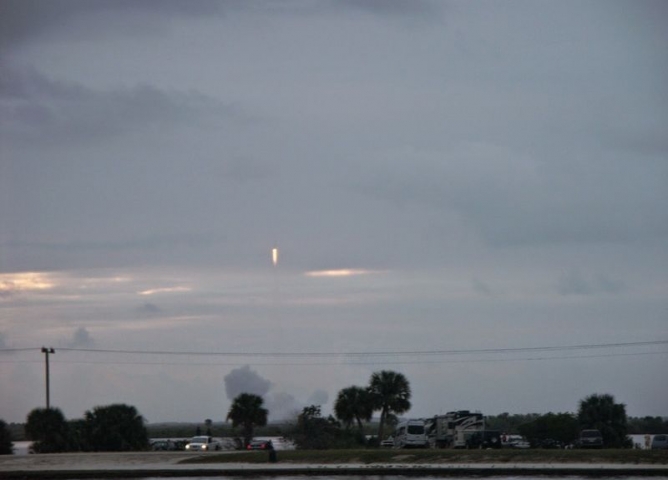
[410, 434]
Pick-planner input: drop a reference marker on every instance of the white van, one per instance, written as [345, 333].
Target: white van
[410, 434]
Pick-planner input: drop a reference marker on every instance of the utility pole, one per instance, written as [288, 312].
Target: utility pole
[46, 352]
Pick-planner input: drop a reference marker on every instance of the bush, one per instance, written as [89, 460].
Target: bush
[6, 445]
[313, 432]
[48, 428]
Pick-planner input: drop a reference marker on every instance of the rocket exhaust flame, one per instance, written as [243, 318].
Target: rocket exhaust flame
[274, 256]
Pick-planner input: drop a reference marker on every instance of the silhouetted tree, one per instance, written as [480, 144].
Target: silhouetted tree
[599, 411]
[115, 428]
[562, 427]
[6, 445]
[508, 423]
[313, 431]
[648, 424]
[48, 428]
[390, 393]
[247, 410]
[354, 404]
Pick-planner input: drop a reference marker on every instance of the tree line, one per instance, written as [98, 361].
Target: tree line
[117, 427]
[389, 393]
[120, 427]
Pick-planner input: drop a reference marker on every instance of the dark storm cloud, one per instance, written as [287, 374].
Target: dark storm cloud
[29, 20]
[37, 109]
[22, 20]
[390, 7]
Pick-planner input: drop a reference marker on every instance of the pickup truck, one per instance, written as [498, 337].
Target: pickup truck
[203, 444]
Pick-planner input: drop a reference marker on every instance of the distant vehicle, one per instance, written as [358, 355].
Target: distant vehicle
[485, 439]
[410, 434]
[260, 445]
[507, 441]
[590, 439]
[549, 443]
[522, 444]
[388, 442]
[454, 429]
[203, 444]
[660, 442]
[163, 445]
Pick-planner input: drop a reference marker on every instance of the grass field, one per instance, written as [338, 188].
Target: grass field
[437, 456]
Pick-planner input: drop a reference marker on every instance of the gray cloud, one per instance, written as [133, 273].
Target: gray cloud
[282, 406]
[481, 287]
[575, 283]
[149, 309]
[244, 380]
[497, 167]
[81, 338]
[391, 7]
[319, 397]
[37, 109]
[519, 200]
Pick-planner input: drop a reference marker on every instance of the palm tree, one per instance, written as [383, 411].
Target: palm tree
[390, 393]
[353, 404]
[246, 410]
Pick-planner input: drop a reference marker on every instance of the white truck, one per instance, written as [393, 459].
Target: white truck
[203, 443]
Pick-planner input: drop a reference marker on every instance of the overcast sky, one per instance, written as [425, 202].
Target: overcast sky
[476, 179]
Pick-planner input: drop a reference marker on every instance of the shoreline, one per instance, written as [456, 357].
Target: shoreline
[172, 465]
[227, 470]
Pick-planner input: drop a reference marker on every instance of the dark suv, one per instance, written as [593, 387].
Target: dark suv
[590, 439]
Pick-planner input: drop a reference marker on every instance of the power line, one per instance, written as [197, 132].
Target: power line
[368, 354]
[406, 362]
[381, 353]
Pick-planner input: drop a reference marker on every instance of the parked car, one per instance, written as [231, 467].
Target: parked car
[203, 444]
[260, 445]
[590, 439]
[549, 443]
[388, 442]
[485, 439]
[163, 445]
[521, 444]
[660, 442]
